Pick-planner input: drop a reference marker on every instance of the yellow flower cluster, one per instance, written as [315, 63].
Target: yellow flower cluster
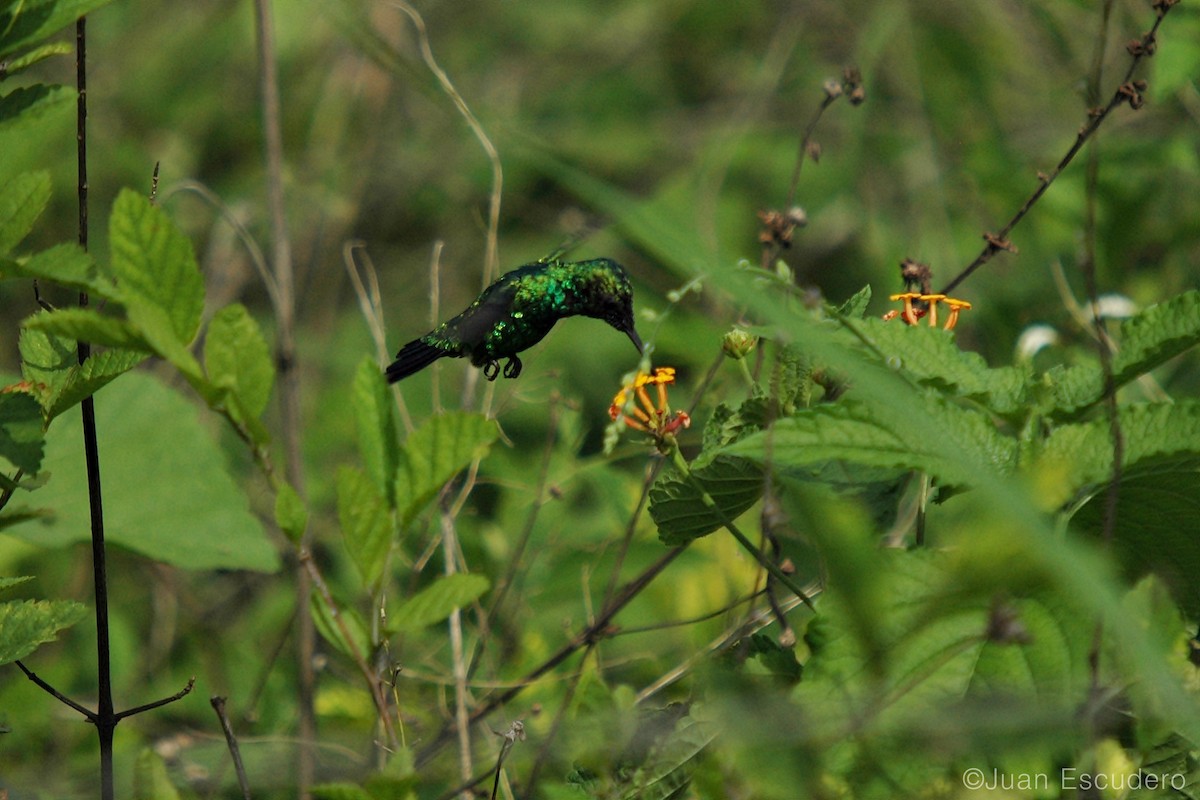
[928, 307]
[644, 415]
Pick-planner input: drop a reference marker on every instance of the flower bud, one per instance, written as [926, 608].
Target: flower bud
[738, 343]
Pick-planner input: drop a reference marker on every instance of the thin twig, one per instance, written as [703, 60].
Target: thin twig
[289, 385]
[514, 563]
[370, 303]
[588, 635]
[184, 692]
[359, 658]
[56, 694]
[1125, 93]
[257, 258]
[458, 666]
[491, 267]
[218, 704]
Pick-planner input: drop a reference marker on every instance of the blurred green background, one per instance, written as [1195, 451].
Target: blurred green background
[693, 105]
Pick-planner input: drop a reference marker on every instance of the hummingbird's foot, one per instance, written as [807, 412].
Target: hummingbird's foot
[513, 368]
[491, 369]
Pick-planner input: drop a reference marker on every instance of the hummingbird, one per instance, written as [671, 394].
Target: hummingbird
[518, 310]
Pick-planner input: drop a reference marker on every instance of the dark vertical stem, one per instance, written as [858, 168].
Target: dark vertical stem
[105, 719]
[1092, 181]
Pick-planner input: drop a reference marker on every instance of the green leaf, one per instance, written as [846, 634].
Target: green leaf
[436, 602]
[1159, 438]
[237, 359]
[151, 780]
[97, 371]
[1155, 531]
[22, 201]
[969, 449]
[86, 325]
[70, 266]
[291, 515]
[39, 54]
[367, 526]
[25, 624]
[856, 306]
[168, 493]
[326, 618]
[51, 366]
[1146, 340]
[932, 356]
[678, 507]
[9, 583]
[21, 440]
[27, 106]
[435, 452]
[26, 23]
[156, 268]
[378, 438]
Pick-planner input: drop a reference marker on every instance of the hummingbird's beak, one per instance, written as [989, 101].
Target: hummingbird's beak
[633, 337]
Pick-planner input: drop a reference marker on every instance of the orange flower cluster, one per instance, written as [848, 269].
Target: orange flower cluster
[644, 415]
[911, 313]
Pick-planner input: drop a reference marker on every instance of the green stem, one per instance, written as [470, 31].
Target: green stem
[759, 556]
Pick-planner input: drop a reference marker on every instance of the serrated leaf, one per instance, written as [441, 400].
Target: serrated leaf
[1145, 341]
[932, 356]
[291, 514]
[21, 440]
[86, 325]
[330, 623]
[36, 19]
[22, 201]
[96, 372]
[366, 522]
[1158, 438]
[969, 449]
[237, 359]
[677, 505]
[25, 624]
[151, 780]
[1155, 531]
[156, 268]
[856, 306]
[29, 105]
[51, 366]
[436, 602]
[435, 452]
[663, 777]
[168, 493]
[67, 265]
[375, 419]
[37, 54]
[9, 583]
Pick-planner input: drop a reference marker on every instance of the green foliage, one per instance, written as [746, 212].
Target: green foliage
[237, 361]
[151, 781]
[367, 524]
[168, 492]
[22, 201]
[1015, 639]
[26, 624]
[436, 602]
[435, 452]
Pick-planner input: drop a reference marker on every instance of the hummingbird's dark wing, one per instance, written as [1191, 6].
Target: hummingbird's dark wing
[470, 329]
[464, 335]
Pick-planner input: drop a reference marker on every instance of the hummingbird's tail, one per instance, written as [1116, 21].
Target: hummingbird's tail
[413, 357]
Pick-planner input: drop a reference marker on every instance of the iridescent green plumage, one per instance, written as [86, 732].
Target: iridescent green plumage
[518, 310]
